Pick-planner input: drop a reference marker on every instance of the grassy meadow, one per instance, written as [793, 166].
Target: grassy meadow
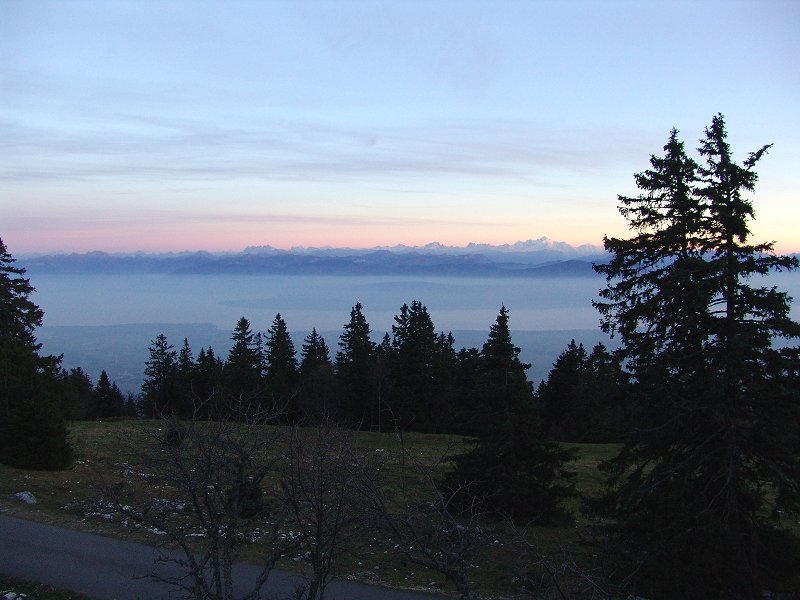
[106, 451]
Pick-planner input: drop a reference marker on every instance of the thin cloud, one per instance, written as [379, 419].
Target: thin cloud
[175, 218]
[305, 219]
[135, 146]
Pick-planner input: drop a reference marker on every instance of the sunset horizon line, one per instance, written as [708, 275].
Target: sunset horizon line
[518, 245]
[280, 247]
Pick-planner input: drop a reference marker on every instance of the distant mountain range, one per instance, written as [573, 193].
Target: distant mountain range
[532, 258]
[542, 248]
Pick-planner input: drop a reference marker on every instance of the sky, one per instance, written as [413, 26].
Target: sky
[171, 125]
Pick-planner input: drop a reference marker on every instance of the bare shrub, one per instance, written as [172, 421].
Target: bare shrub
[320, 486]
[205, 499]
[420, 515]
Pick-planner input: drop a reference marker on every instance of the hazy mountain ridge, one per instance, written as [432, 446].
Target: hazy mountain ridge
[531, 258]
[539, 246]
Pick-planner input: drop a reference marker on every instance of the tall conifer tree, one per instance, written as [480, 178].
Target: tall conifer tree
[581, 397]
[186, 372]
[317, 391]
[413, 356]
[33, 433]
[712, 459]
[159, 386]
[562, 393]
[517, 471]
[108, 399]
[282, 370]
[77, 392]
[209, 383]
[315, 354]
[354, 366]
[243, 369]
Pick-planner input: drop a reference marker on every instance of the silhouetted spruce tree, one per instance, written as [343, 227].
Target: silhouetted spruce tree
[563, 395]
[355, 362]
[243, 369]
[19, 317]
[186, 371]
[261, 354]
[33, 433]
[282, 370]
[386, 345]
[712, 460]
[413, 355]
[468, 410]
[315, 354]
[581, 397]
[607, 399]
[131, 409]
[317, 395]
[445, 386]
[382, 381]
[108, 399]
[77, 394]
[517, 471]
[159, 385]
[209, 383]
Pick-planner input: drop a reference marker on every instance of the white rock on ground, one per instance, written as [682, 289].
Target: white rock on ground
[25, 497]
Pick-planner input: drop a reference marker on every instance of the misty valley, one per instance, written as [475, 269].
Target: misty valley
[106, 322]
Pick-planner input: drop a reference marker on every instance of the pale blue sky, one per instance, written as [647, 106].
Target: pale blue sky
[216, 125]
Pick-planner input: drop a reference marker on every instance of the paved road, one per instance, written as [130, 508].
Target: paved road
[110, 569]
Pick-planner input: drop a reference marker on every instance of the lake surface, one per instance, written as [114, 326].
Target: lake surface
[313, 301]
[106, 322]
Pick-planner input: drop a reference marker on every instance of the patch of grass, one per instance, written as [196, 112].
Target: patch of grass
[589, 480]
[36, 591]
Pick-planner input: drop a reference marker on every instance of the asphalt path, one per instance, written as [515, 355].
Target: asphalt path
[110, 569]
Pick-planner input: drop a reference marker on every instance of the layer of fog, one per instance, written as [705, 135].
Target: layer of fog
[107, 321]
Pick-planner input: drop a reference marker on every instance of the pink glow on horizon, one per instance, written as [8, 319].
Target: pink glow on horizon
[112, 244]
[166, 237]
[234, 237]
[78, 243]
